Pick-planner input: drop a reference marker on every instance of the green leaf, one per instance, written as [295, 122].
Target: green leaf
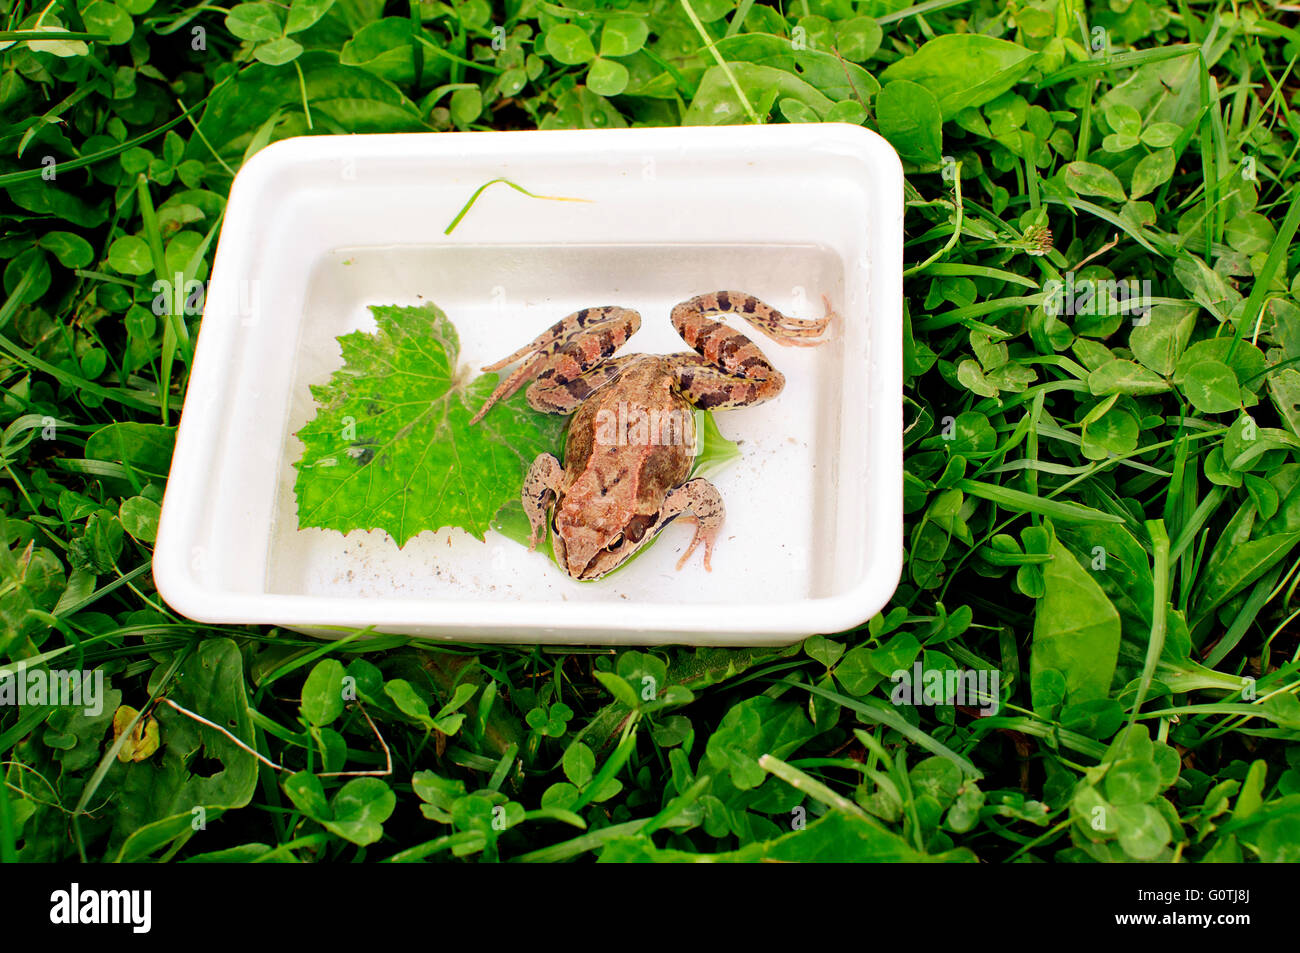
[1239, 565]
[1123, 119]
[858, 39]
[1132, 781]
[908, 116]
[144, 448]
[28, 580]
[466, 106]
[569, 44]
[1158, 135]
[579, 764]
[70, 249]
[607, 77]
[963, 70]
[391, 446]
[1115, 431]
[623, 36]
[58, 47]
[897, 654]
[382, 48]
[322, 693]
[254, 22]
[109, 19]
[98, 548]
[715, 101]
[1250, 233]
[855, 673]
[308, 795]
[823, 650]
[1076, 631]
[44, 199]
[304, 13]
[1143, 831]
[130, 256]
[1211, 387]
[278, 52]
[829, 78]
[359, 810]
[1125, 377]
[618, 687]
[156, 800]
[139, 516]
[408, 702]
[1151, 171]
[795, 111]
[752, 728]
[1088, 178]
[1160, 341]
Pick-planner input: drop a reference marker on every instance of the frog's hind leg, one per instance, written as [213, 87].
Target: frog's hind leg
[556, 393]
[785, 330]
[700, 501]
[564, 352]
[730, 369]
[541, 488]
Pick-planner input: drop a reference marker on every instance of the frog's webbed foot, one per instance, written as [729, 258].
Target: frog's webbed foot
[541, 488]
[728, 369]
[561, 356]
[699, 501]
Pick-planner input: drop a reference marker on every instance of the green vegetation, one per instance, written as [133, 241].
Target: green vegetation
[1102, 371]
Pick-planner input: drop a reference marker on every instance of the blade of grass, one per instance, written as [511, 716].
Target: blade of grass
[875, 711]
[518, 188]
[1277, 254]
[725, 66]
[1023, 502]
[809, 785]
[1117, 62]
[7, 36]
[174, 330]
[1159, 613]
[11, 178]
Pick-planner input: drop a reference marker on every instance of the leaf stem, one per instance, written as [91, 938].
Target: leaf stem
[956, 230]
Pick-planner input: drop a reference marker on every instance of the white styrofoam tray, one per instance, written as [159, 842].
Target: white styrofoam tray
[319, 228]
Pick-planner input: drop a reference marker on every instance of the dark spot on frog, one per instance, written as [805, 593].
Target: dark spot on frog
[636, 527]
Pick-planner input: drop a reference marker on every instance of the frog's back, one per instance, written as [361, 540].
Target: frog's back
[636, 428]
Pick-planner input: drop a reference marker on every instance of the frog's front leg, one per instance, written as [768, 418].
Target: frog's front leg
[728, 369]
[698, 499]
[559, 360]
[541, 489]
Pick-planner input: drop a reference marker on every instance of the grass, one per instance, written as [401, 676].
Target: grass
[1102, 494]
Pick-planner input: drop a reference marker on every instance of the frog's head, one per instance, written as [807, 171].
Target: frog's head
[589, 548]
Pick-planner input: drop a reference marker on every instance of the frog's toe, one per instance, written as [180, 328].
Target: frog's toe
[701, 536]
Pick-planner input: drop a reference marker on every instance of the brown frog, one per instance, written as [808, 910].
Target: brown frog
[631, 444]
